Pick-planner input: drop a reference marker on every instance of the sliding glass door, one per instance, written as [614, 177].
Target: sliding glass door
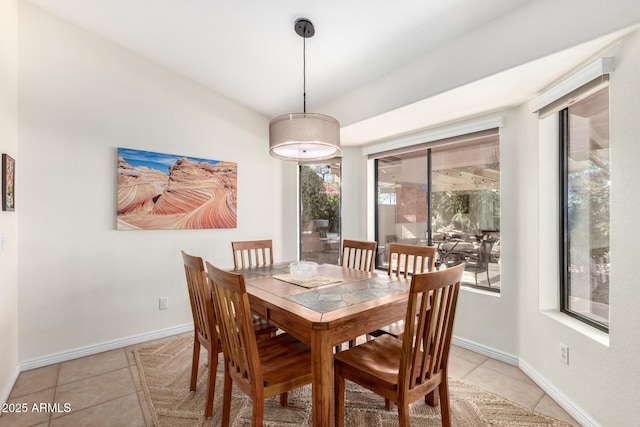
[445, 195]
[320, 212]
[401, 214]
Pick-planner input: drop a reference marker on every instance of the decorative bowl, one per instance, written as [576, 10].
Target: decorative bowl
[303, 270]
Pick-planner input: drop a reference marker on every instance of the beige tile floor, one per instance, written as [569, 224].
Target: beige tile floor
[104, 389]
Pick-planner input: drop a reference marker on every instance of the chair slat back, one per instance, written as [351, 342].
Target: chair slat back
[252, 253]
[236, 328]
[410, 259]
[200, 297]
[358, 254]
[426, 343]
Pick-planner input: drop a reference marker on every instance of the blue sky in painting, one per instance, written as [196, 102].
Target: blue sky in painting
[157, 161]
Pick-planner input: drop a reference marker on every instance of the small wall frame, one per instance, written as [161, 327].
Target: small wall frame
[8, 183]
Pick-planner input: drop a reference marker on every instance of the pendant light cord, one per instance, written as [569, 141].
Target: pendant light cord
[304, 74]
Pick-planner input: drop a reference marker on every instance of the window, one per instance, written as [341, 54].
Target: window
[446, 195]
[320, 212]
[585, 185]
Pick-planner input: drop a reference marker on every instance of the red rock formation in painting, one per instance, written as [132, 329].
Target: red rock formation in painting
[192, 195]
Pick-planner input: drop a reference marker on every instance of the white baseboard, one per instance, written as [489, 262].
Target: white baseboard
[99, 348]
[8, 386]
[507, 358]
[559, 397]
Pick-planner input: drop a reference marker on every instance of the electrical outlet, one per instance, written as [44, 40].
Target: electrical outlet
[163, 303]
[564, 353]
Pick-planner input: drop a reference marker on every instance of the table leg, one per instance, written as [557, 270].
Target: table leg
[323, 396]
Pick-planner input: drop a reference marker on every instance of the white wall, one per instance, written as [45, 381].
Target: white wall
[603, 373]
[9, 366]
[354, 199]
[83, 283]
[487, 318]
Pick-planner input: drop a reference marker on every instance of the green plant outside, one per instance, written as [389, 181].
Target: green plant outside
[320, 196]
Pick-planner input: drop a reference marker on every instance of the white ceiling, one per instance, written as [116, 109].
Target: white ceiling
[248, 51]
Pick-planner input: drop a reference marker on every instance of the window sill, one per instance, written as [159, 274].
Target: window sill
[582, 328]
[479, 291]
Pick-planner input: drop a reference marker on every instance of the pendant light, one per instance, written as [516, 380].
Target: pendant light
[304, 136]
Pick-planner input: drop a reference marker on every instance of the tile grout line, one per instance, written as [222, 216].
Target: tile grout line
[477, 365]
[539, 400]
[55, 392]
[136, 390]
[99, 404]
[128, 367]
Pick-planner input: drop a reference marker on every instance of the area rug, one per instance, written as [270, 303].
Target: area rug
[165, 369]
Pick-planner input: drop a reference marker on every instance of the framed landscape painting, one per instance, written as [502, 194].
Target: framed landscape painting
[8, 183]
[159, 191]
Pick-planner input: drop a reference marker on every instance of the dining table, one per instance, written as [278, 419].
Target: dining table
[339, 304]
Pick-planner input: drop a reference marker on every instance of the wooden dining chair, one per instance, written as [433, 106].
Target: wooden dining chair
[204, 325]
[404, 370]
[205, 328]
[261, 369]
[358, 254]
[403, 260]
[252, 253]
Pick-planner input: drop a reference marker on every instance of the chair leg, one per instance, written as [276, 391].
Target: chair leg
[211, 382]
[226, 399]
[339, 397]
[403, 414]
[258, 412]
[445, 412]
[432, 398]
[284, 399]
[195, 360]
